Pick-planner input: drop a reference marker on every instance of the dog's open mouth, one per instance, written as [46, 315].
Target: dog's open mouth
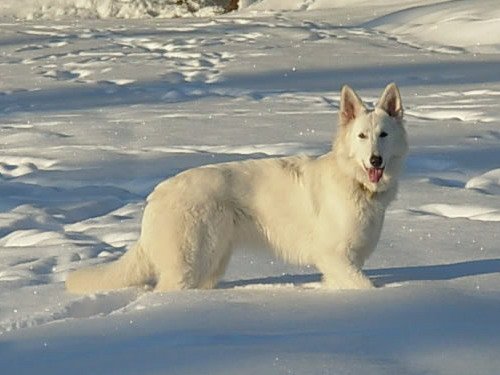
[375, 174]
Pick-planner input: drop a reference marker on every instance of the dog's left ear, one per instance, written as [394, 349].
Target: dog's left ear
[390, 102]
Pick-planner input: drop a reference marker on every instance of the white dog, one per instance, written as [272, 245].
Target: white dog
[326, 211]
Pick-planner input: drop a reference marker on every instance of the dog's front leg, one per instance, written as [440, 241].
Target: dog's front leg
[339, 272]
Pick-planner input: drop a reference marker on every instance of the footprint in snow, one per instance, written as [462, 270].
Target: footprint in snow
[98, 305]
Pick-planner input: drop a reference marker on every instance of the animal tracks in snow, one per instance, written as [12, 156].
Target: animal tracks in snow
[63, 54]
[62, 309]
[98, 305]
[182, 56]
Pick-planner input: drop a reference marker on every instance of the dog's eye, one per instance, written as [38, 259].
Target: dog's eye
[383, 135]
[362, 135]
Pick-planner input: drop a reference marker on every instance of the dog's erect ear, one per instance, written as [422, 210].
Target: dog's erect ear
[390, 101]
[350, 105]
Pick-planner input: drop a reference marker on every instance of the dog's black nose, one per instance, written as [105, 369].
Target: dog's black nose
[376, 161]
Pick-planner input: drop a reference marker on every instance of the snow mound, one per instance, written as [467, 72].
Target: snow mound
[470, 212]
[450, 26]
[488, 182]
[60, 9]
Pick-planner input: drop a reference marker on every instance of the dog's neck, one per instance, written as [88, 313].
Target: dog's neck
[367, 192]
[384, 197]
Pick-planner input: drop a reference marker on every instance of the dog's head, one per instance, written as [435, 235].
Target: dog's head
[373, 142]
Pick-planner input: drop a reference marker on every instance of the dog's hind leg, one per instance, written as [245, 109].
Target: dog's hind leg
[216, 252]
[172, 244]
[173, 273]
[196, 248]
[211, 281]
[187, 276]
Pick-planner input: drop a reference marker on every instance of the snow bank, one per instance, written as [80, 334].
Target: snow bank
[58, 9]
[269, 5]
[454, 25]
[418, 23]
[256, 332]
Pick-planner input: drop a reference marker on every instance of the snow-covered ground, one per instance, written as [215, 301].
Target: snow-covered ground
[95, 109]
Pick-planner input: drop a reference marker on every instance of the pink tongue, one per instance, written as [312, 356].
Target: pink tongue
[375, 174]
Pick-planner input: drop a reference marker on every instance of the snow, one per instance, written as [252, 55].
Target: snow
[470, 212]
[440, 24]
[58, 9]
[488, 182]
[99, 101]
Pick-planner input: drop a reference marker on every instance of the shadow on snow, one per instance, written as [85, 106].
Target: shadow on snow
[256, 86]
[385, 276]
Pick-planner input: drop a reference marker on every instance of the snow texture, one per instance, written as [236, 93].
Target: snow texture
[101, 100]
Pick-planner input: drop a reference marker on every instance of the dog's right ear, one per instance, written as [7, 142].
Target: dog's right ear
[350, 105]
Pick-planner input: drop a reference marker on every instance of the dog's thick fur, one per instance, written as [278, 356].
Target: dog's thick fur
[326, 211]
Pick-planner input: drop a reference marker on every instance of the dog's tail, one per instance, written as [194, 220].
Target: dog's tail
[132, 269]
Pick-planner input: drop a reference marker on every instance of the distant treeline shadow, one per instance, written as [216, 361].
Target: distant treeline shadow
[384, 276]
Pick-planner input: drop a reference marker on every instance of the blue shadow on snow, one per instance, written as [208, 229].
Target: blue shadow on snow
[385, 276]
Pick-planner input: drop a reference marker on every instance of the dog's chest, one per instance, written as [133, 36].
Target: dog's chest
[363, 223]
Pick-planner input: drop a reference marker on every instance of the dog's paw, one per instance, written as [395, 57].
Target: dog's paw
[354, 284]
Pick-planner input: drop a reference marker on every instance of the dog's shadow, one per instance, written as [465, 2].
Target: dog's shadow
[386, 276]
